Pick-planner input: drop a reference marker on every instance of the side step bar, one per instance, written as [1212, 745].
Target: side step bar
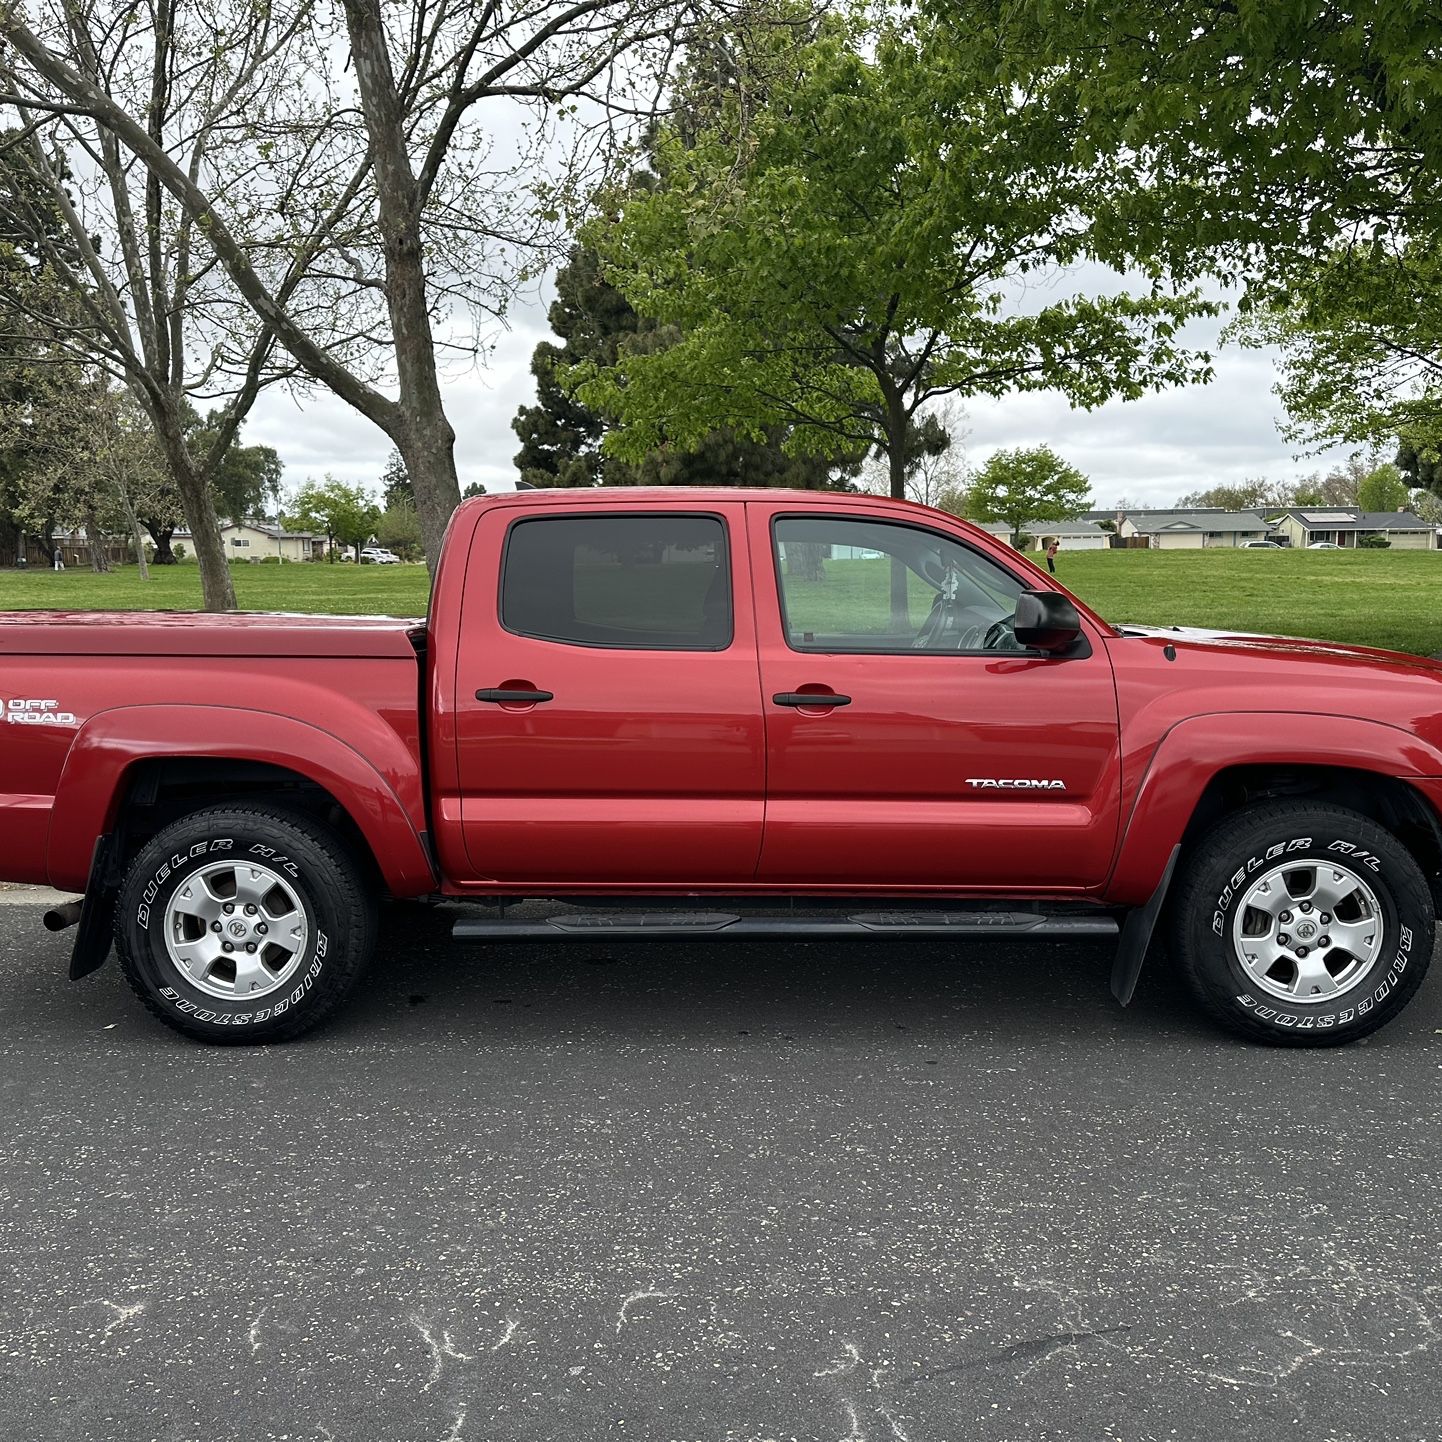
[725, 925]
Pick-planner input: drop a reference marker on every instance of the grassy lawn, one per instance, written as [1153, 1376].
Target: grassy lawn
[343, 590]
[1370, 598]
[1375, 598]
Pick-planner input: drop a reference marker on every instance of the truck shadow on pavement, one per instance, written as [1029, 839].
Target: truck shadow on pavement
[834, 990]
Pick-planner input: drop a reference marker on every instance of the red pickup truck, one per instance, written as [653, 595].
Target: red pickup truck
[724, 714]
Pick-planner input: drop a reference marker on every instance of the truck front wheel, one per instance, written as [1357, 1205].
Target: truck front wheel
[244, 925]
[1302, 924]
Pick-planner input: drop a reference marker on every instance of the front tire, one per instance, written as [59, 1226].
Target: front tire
[1303, 924]
[241, 925]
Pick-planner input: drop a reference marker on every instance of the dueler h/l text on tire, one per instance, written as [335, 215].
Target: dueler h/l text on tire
[244, 925]
[1302, 924]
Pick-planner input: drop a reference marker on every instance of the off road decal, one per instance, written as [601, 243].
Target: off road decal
[22, 711]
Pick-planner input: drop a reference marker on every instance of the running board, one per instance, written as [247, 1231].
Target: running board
[669, 926]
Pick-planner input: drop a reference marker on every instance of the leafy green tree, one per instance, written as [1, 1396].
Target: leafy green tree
[245, 479]
[831, 268]
[400, 531]
[561, 437]
[396, 484]
[1360, 333]
[343, 514]
[1383, 490]
[472, 490]
[1420, 463]
[1025, 485]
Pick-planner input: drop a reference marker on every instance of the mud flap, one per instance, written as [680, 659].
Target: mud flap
[1137, 935]
[95, 933]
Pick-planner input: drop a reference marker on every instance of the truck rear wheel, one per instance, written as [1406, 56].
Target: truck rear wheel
[244, 925]
[1303, 924]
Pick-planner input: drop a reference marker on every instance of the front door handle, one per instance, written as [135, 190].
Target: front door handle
[501, 696]
[810, 698]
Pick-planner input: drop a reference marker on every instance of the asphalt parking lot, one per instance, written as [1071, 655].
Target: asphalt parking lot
[724, 1193]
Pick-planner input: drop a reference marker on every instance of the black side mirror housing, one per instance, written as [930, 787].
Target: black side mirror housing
[1046, 621]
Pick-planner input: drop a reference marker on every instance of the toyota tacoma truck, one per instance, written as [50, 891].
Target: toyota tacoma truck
[724, 714]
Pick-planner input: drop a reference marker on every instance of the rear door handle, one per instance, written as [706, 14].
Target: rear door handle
[502, 697]
[810, 698]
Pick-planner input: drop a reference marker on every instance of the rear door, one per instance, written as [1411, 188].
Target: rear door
[910, 743]
[608, 724]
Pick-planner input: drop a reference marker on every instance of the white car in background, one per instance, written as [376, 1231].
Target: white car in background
[379, 556]
[1324, 546]
[1263, 546]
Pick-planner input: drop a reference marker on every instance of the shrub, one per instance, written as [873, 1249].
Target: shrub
[1373, 543]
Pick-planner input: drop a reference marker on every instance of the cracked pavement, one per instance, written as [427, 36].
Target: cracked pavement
[858, 1192]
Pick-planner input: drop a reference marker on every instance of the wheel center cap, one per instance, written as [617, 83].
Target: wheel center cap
[238, 928]
[1306, 930]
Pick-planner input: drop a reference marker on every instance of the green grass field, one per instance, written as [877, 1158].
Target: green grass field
[1375, 598]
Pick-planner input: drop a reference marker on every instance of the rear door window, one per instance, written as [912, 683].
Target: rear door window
[634, 582]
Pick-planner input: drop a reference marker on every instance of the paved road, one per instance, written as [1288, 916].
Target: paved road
[727, 1194]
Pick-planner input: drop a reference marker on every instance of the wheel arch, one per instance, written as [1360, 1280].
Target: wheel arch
[1210, 767]
[136, 769]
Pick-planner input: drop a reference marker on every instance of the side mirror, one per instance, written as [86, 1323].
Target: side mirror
[1046, 621]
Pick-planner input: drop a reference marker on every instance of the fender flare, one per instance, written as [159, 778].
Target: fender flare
[368, 787]
[1194, 751]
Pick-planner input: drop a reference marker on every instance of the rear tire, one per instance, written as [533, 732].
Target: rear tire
[1302, 924]
[242, 925]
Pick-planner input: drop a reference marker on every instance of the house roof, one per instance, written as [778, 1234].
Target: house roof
[1200, 520]
[1045, 528]
[269, 528]
[1350, 518]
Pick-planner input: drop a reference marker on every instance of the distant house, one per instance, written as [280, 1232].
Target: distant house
[1072, 535]
[256, 540]
[1200, 529]
[1346, 525]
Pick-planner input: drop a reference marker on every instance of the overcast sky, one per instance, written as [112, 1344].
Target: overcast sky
[1151, 451]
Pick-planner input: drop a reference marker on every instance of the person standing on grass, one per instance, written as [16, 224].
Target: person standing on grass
[1052, 547]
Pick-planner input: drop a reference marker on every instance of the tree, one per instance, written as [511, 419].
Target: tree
[1025, 485]
[374, 202]
[1383, 490]
[1420, 463]
[344, 514]
[396, 484]
[245, 479]
[831, 268]
[561, 436]
[1254, 493]
[472, 490]
[128, 283]
[92, 460]
[1360, 333]
[1274, 132]
[400, 531]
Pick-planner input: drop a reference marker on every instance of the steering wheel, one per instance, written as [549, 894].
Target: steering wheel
[1000, 635]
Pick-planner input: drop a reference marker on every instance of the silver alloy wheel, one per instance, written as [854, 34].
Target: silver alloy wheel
[236, 930]
[1306, 930]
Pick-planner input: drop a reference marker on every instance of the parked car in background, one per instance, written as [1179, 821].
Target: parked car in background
[379, 556]
[1324, 546]
[1262, 546]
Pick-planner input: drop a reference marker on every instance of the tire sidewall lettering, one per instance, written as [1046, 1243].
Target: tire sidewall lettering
[173, 869]
[1359, 1007]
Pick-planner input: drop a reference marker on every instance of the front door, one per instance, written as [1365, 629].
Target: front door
[609, 717]
[911, 742]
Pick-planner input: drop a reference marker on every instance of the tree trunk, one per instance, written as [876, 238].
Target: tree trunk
[98, 546]
[136, 538]
[161, 536]
[216, 587]
[896, 471]
[424, 436]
